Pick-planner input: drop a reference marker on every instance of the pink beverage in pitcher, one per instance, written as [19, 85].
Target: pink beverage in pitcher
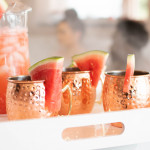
[14, 52]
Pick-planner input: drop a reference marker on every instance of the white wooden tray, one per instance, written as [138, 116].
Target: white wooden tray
[47, 134]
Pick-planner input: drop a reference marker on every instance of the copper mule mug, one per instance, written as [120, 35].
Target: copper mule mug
[138, 96]
[114, 99]
[25, 99]
[83, 93]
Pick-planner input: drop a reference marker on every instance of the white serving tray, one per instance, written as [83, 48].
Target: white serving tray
[46, 134]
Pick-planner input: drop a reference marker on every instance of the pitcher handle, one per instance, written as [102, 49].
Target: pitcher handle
[67, 87]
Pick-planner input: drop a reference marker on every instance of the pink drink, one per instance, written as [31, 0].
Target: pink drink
[14, 58]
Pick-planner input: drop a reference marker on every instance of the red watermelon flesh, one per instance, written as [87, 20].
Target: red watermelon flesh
[129, 72]
[50, 70]
[3, 7]
[93, 61]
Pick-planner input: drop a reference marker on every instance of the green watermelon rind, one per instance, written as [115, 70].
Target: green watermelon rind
[73, 64]
[45, 61]
[131, 57]
[97, 52]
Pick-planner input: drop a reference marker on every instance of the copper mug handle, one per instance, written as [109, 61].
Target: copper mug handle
[67, 87]
[102, 83]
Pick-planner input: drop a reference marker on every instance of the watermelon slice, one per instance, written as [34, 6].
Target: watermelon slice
[50, 70]
[3, 7]
[129, 72]
[93, 61]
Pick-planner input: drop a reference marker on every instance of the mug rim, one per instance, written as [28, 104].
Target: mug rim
[143, 74]
[75, 72]
[15, 79]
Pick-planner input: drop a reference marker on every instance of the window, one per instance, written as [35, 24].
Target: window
[136, 9]
[96, 8]
[143, 9]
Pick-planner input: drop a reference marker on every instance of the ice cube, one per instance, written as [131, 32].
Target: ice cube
[4, 69]
[22, 49]
[7, 49]
[15, 59]
[10, 40]
[3, 56]
[2, 59]
[18, 57]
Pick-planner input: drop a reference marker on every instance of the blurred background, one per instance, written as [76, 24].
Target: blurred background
[68, 27]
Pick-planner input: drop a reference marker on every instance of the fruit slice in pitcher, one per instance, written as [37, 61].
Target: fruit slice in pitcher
[93, 61]
[3, 7]
[129, 72]
[50, 70]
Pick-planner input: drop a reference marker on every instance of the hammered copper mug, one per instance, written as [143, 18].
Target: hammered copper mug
[138, 97]
[83, 93]
[114, 99]
[25, 99]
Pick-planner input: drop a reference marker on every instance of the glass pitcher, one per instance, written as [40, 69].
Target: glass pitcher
[14, 51]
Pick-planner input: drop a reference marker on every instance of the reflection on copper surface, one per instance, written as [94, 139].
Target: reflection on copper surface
[92, 131]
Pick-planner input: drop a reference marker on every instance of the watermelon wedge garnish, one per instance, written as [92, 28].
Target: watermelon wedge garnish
[129, 72]
[93, 61]
[3, 7]
[50, 70]
[72, 65]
